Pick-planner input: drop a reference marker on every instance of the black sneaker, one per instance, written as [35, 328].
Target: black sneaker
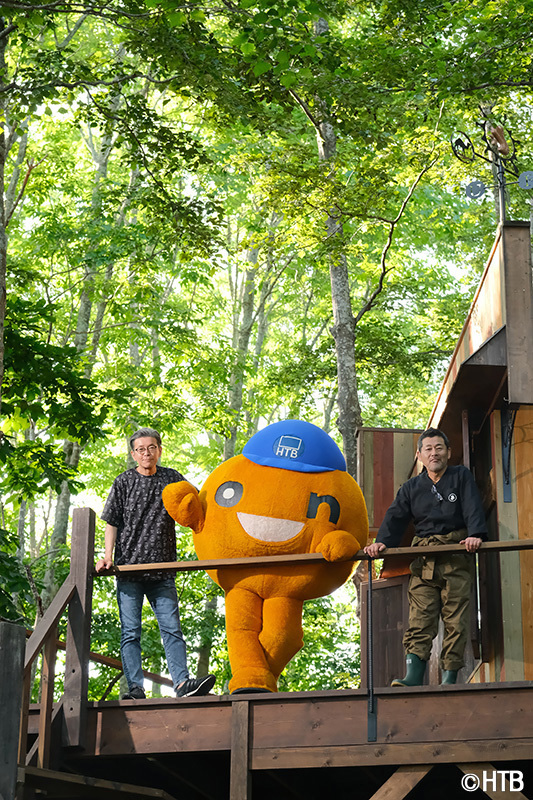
[196, 686]
[135, 693]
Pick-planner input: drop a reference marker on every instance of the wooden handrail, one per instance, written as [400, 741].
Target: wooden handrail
[308, 558]
[48, 622]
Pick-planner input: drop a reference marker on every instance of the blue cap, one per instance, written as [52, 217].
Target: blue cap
[293, 444]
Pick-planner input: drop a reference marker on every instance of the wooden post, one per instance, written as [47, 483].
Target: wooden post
[79, 627]
[24, 715]
[518, 311]
[47, 699]
[240, 778]
[12, 645]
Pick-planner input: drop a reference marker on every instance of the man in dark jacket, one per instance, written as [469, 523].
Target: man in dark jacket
[445, 505]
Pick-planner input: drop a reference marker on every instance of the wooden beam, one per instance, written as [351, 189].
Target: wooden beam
[387, 755]
[12, 640]
[49, 620]
[307, 558]
[492, 781]
[240, 775]
[401, 782]
[68, 785]
[24, 718]
[518, 299]
[79, 627]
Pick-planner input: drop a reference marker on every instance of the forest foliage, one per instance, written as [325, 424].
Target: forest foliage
[182, 183]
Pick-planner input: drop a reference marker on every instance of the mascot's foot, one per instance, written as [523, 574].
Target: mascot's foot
[251, 690]
[253, 679]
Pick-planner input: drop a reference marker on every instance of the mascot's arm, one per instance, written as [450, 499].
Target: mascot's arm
[338, 545]
[182, 502]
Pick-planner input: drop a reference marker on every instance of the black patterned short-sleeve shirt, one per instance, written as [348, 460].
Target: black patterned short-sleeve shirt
[145, 531]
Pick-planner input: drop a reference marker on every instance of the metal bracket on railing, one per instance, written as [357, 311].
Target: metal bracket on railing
[507, 423]
[372, 700]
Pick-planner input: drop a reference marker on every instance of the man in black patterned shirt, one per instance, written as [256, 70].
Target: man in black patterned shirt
[139, 531]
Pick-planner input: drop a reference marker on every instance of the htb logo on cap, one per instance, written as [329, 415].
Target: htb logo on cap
[288, 447]
[295, 445]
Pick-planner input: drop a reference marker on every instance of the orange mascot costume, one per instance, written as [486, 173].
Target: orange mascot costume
[287, 493]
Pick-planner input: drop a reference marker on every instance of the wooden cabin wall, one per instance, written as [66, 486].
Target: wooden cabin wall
[510, 646]
[385, 458]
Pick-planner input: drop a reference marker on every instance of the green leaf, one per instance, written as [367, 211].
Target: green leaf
[176, 19]
[288, 79]
[261, 67]
[247, 48]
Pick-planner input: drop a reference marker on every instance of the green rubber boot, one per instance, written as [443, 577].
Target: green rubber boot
[415, 672]
[449, 676]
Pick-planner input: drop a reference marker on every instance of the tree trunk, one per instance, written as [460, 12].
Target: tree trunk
[20, 529]
[59, 535]
[33, 550]
[343, 330]
[73, 449]
[241, 340]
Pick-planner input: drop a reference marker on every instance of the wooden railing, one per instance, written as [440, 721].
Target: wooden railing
[76, 595]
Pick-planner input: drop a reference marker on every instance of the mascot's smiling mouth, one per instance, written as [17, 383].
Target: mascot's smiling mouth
[269, 529]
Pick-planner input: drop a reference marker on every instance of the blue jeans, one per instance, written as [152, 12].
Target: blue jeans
[163, 598]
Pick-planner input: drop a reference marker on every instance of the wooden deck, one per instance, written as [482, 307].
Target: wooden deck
[373, 743]
[308, 744]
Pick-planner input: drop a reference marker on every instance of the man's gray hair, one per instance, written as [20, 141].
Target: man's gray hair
[431, 433]
[145, 432]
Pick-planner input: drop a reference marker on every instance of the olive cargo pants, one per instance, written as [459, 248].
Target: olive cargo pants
[440, 585]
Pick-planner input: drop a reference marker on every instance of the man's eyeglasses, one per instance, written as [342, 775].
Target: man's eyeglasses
[437, 494]
[150, 449]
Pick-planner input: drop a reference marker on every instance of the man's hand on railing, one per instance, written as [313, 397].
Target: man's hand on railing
[104, 565]
[373, 550]
[471, 543]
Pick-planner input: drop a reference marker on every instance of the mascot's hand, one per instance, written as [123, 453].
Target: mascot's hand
[182, 502]
[335, 545]
[338, 546]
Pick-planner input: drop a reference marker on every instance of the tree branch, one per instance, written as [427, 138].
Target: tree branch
[392, 225]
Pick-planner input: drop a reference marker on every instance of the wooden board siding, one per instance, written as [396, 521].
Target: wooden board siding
[314, 729]
[385, 458]
[516, 263]
[383, 473]
[523, 449]
[390, 618]
[513, 653]
[165, 726]
[365, 469]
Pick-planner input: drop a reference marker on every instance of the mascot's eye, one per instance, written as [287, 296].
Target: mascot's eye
[334, 508]
[229, 494]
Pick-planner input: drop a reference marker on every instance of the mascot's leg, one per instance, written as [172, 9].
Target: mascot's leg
[282, 634]
[244, 620]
